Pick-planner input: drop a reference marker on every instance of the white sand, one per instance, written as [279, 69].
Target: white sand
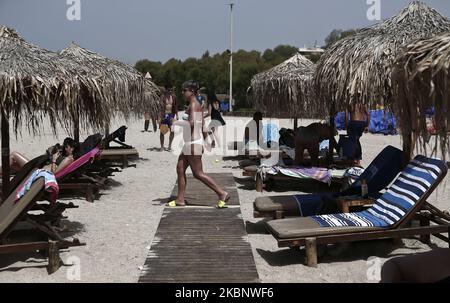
[120, 227]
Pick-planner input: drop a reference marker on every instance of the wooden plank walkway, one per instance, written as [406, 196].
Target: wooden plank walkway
[198, 194]
[196, 245]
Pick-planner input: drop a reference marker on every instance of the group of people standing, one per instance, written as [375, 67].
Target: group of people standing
[170, 114]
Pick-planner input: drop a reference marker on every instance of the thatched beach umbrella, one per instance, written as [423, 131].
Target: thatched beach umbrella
[124, 89]
[422, 80]
[358, 68]
[286, 90]
[35, 82]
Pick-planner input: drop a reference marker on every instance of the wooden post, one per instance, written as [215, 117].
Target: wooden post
[76, 125]
[5, 156]
[331, 145]
[106, 135]
[259, 183]
[424, 221]
[124, 162]
[295, 124]
[311, 252]
[407, 148]
[448, 237]
[76, 131]
[90, 193]
[345, 208]
[279, 214]
[54, 261]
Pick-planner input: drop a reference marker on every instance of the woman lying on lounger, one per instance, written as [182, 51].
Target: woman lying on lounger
[61, 157]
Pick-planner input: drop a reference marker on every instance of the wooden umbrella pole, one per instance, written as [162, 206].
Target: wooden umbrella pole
[76, 130]
[295, 124]
[76, 124]
[5, 157]
[331, 141]
[106, 135]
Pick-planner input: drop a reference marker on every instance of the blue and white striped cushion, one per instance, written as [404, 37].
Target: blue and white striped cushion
[411, 185]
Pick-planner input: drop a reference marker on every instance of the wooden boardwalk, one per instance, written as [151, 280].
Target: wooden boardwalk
[201, 244]
[198, 194]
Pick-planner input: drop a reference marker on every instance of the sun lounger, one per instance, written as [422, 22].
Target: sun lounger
[338, 180]
[390, 217]
[49, 240]
[117, 136]
[378, 175]
[118, 155]
[73, 177]
[53, 213]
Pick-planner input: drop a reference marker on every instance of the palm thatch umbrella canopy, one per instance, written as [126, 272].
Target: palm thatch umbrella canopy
[422, 80]
[286, 89]
[130, 92]
[358, 68]
[35, 82]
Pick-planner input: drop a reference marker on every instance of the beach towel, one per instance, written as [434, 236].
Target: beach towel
[317, 173]
[78, 163]
[382, 122]
[354, 172]
[408, 188]
[51, 186]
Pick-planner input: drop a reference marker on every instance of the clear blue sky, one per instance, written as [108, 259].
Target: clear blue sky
[129, 30]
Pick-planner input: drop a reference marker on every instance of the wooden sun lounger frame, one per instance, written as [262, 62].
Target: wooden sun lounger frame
[54, 243]
[119, 160]
[424, 212]
[259, 183]
[79, 181]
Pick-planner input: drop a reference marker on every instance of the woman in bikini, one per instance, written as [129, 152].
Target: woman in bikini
[191, 155]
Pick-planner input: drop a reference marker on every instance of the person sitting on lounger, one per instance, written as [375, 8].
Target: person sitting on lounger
[61, 156]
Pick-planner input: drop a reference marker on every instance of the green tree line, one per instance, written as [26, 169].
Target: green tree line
[212, 71]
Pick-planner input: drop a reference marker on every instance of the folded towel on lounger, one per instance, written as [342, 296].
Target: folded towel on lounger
[51, 185]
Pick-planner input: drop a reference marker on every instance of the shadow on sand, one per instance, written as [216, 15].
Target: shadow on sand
[257, 228]
[38, 259]
[347, 252]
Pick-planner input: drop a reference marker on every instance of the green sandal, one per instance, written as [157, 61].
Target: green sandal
[174, 204]
[221, 204]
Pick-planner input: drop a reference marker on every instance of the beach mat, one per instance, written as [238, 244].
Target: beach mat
[198, 194]
[196, 245]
